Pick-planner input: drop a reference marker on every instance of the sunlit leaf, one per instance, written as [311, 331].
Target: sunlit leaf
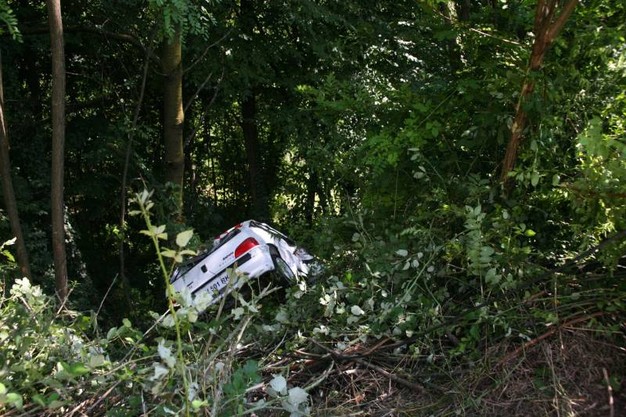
[168, 253]
[166, 354]
[298, 396]
[279, 384]
[356, 310]
[183, 238]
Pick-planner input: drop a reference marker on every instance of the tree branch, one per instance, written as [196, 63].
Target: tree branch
[556, 27]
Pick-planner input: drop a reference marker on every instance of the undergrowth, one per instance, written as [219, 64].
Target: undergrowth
[402, 321]
[192, 360]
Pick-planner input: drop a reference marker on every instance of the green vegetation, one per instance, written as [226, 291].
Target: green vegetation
[458, 167]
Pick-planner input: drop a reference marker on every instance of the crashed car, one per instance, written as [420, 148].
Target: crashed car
[250, 248]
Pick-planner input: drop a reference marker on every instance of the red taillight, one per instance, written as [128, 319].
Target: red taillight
[245, 246]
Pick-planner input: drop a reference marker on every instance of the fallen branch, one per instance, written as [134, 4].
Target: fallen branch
[546, 335]
[412, 385]
[338, 357]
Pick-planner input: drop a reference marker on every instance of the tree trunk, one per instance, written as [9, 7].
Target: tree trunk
[312, 186]
[256, 169]
[463, 8]
[173, 115]
[10, 201]
[450, 13]
[546, 29]
[258, 191]
[58, 147]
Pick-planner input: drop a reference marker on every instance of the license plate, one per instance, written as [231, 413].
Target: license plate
[218, 284]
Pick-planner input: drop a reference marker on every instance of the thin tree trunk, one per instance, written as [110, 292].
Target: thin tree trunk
[129, 149]
[546, 28]
[463, 8]
[173, 115]
[260, 208]
[312, 185]
[454, 13]
[58, 147]
[256, 169]
[10, 201]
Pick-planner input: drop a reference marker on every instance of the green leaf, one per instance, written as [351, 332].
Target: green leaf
[76, 369]
[143, 197]
[15, 400]
[196, 404]
[69, 371]
[279, 384]
[168, 253]
[183, 238]
[39, 400]
[402, 252]
[297, 396]
[534, 179]
[8, 255]
[166, 354]
[55, 404]
[156, 231]
[96, 361]
[474, 332]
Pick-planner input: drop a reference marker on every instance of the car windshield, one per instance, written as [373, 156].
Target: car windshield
[273, 232]
[225, 239]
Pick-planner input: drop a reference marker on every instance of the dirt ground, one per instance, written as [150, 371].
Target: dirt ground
[571, 373]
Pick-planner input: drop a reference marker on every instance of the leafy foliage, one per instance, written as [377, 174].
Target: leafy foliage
[380, 132]
[10, 21]
[51, 362]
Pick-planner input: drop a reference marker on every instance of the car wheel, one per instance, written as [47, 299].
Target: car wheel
[285, 273]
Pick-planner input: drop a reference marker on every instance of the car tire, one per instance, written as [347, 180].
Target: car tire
[286, 276]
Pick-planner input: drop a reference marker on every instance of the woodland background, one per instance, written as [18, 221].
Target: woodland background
[457, 166]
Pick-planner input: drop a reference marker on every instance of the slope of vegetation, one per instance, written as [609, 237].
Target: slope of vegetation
[457, 167]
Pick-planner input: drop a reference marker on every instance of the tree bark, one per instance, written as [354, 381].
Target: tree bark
[10, 201]
[173, 115]
[58, 147]
[256, 169]
[312, 186]
[258, 191]
[546, 28]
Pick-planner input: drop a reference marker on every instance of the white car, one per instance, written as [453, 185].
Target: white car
[251, 248]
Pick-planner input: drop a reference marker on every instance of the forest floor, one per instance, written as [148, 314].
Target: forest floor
[570, 372]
